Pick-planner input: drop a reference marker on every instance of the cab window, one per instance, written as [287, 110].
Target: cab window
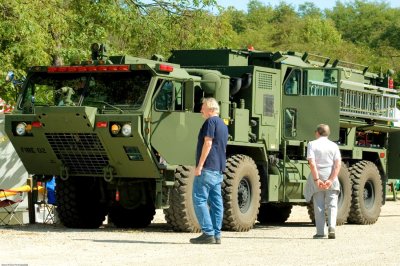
[293, 82]
[169, 96]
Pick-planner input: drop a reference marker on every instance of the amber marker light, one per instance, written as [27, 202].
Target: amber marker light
[115, 128]
[28, 128]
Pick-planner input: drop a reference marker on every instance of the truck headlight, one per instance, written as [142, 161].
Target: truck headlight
[126, 130]
[20, 129]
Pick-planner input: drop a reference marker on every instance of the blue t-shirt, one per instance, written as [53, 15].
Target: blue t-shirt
[216, 129]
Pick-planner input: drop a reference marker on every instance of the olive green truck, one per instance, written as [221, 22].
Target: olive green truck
[119, 133]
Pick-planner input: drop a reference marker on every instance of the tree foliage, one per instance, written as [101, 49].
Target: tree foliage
[40, 32]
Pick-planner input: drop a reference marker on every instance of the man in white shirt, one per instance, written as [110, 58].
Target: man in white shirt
[323, 185]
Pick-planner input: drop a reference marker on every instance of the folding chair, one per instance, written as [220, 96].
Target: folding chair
[9, 201]
[46, 204]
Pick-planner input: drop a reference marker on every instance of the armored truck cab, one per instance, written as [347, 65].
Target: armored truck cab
[112, 130]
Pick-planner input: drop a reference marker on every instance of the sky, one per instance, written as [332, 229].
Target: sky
[322, 4]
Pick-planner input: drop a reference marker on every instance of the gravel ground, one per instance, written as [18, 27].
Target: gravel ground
[289, 244]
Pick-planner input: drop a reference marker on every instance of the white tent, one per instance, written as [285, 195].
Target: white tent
[12, 172]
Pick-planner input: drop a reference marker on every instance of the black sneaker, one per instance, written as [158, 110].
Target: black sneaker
[331, 234]
[217, 240]
[318, 236]
[203, 239]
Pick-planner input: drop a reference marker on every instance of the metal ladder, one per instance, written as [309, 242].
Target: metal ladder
[367, 101]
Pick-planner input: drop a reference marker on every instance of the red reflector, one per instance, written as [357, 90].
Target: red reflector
[123, 68]
[117, 195]
[82, 69]
[71, 69]
[36, 124]
[112, 68]
[53, 69]
[165, 68]
[382, 155]
[101, 124]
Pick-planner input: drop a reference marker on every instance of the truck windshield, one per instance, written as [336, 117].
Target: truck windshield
[108, 91]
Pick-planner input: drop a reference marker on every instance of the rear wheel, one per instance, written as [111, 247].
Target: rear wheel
[138, 217]
[274, 213]
[180, 215]
[344, 198]
[367, 193]
[79, 202]
[241, 192]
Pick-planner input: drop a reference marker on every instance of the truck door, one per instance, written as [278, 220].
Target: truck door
[174, 125]
[310, 97]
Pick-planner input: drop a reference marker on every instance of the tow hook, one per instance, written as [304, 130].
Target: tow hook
[64, 174]
[108, 173]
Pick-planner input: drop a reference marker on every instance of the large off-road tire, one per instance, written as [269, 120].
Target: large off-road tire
[138, 217]
[241, 192]
[344, 198]
[274, 213]
[78, 202]
[367, 193]
[180, 215]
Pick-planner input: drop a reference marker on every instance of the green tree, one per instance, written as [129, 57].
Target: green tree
[309, 9]
[362, 21]
[49, 32]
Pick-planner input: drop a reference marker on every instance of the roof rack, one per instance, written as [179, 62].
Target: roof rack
[306, 56]
[363, 68]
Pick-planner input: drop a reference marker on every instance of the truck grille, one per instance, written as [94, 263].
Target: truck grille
[82, 153]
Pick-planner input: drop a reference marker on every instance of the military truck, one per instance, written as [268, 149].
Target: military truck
[119, 132]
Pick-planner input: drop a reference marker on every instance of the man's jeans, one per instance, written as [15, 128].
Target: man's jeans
[207, 201]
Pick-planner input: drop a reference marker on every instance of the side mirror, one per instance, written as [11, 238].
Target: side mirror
[189, 95]
[17, 84]
[10, 76]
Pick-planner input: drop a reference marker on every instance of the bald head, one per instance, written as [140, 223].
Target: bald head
[323, 130]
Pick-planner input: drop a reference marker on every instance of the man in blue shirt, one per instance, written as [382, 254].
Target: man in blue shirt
[210, 163]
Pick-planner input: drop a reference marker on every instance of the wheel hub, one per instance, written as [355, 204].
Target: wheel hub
[369, 194]
[244, 195]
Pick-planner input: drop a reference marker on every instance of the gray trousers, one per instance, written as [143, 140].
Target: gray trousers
[326, 199]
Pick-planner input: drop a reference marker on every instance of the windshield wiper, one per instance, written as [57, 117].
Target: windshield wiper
[108, 104]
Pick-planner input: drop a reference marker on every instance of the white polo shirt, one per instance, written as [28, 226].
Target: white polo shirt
[323, 151]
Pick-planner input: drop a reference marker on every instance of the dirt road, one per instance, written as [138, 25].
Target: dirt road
[290, 244]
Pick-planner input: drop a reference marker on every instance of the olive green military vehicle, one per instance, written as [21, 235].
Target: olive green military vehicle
[120, 132]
